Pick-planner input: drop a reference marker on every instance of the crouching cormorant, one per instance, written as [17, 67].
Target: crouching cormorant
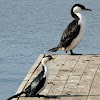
[39, 82]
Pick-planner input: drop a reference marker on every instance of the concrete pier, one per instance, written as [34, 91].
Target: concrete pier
[71, 77]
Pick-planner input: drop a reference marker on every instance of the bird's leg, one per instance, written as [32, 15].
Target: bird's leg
[66, 51]
[74, 53]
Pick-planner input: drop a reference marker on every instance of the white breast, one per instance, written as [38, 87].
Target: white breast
[46, 74]
[77, 40]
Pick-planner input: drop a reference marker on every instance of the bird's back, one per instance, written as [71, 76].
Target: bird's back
[69, 34]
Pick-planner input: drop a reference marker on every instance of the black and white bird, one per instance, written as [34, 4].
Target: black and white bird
[39, 82]
[74, 32]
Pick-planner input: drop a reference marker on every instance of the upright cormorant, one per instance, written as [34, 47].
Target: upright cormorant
[74, 32]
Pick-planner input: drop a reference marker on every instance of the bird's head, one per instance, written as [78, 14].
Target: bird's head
[46, 59]
[78, 8]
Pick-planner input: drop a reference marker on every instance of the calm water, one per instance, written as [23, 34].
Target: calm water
[31, 27]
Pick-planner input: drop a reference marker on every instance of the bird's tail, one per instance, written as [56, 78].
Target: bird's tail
[54, 49]
[16, 95]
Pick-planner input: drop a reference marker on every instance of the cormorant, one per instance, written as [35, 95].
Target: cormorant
[74, 32]
[39, 82]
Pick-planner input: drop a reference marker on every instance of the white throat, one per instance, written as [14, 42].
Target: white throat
[81, 19]
[46, 70]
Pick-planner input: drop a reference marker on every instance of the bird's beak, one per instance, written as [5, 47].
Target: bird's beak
[87, 9]
[53, 58]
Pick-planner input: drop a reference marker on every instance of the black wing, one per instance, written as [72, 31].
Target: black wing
[31, 90]
[69, 34]
[38, 87]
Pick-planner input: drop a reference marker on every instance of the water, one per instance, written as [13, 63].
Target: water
[31, 27]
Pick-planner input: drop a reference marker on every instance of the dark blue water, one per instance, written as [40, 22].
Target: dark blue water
[31, 27]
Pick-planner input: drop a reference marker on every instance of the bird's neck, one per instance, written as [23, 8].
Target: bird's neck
[81, 18]
[78, 17]
[74, 15]
[45, 70]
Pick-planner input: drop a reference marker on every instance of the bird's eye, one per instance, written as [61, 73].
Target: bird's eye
[50, 58]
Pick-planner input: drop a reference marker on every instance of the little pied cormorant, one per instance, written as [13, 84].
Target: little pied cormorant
[74, 32]
[39, 82]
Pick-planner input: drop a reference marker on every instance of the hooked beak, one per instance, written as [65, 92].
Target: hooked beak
[88, 9]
